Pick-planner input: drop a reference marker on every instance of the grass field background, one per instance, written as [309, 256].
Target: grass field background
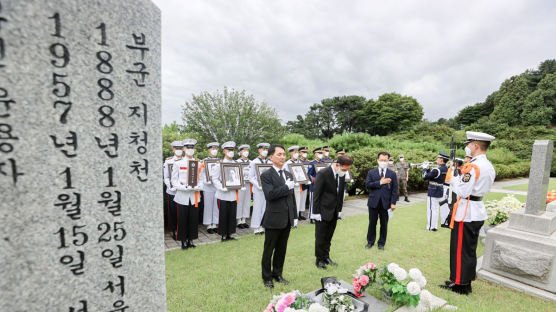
[523, 187]
[227, 276]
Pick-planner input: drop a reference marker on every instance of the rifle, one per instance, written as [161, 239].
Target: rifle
[451, 198]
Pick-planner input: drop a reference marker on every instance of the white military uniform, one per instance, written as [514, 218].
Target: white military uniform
[259, 202]
[210, 210]
[227, 198]
[300, 199]
[185, 195]
[168, 165]
[216, 176]
[244, 203]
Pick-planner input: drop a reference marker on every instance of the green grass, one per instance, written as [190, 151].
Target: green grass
[523, 187]
[227, 276]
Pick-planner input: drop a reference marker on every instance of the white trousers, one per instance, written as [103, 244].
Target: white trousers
[259, 206]
[302, 201]
[210, 209]
[433, 205]
[244, 203]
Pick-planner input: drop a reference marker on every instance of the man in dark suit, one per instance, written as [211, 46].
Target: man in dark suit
[280, 215]
[383, 193]
[329, 190]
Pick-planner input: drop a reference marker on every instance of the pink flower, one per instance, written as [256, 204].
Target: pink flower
[373, 266]
[357, 288]
[364, 280]
[358, 294]
[355, 279]
[269, 308]
[285, 302]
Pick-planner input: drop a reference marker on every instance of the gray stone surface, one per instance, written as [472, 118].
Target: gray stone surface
[544, 224]
[526, 262]
[428, 302]
[53, 53]
[539, 176]
[551, 206]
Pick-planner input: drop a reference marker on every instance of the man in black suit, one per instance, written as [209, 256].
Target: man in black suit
[280, 215]
[383, 193]
[328, 199]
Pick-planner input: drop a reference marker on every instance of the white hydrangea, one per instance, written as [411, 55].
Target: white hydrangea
[316, 307]
[413, 288]
[331, 288]
[392, 267]
[422, 281]
[288, 309]
[415, 274]
[400, 274]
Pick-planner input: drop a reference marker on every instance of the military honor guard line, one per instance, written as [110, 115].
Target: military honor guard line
[271, 192]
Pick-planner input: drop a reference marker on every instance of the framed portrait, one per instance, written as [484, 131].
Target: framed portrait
[246, 169]
[261, 168]
[209, 166]
[349, 177]
[298, 172]
[319, 167]
[193, 172]
[232, 176]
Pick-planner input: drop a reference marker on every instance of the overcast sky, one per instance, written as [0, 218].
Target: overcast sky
[291, 54]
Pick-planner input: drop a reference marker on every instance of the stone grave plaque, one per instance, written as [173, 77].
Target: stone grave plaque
[80, 155]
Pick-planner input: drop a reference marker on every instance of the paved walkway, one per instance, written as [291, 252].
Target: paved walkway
[352, 207]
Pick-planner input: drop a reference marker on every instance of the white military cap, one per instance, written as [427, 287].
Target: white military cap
[263, 145]
[229, 145]
[213, 144]
[187, 142]
[293, 148]
[177, 144]
[478, 136]
[244, 146]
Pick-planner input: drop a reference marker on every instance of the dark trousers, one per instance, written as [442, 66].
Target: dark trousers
[324, 230]
[172, 213]
[374, 215]
[463, 251]
[275, 242]
[188, 222]
[227, 222]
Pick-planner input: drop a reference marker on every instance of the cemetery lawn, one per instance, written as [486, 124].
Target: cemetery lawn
[227, 276]
[523, 187]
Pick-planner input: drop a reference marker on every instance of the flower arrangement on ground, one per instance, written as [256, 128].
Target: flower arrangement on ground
[364, 277]
[293, 301]
[336, 299]
[498, 211]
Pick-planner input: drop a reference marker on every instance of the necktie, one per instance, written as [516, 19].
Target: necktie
[382, 173]
[282, 174]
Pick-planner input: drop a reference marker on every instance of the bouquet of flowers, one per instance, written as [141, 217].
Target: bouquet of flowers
[293, 301]
[402, 288]
[335, 299]
[498, 211]
[364, 277]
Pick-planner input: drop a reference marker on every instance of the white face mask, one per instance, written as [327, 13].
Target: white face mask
[245, 153]
[341, 173]
[326, 154]
[383, 164]
[189, 152]
[230, 154]
[296, 156]
[467, 151]
[264, 153]
[213, 153]
[304, 155]
[178, 153]
[319, 156]
[390, 162]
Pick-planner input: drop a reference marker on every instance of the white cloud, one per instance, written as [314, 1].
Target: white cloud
[291, 54]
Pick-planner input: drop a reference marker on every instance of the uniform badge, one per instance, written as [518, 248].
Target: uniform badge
[466, 177]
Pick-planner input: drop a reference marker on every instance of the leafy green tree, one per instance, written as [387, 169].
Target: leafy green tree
[511, 100]
[231, 115]
[390, 113]
[540, 105]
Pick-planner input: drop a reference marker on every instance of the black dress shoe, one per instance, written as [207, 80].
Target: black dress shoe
[230, 238]
[330, 262]
[369, 246]
[434, 230]
[406, 199]
[184, 245]
[458, 289]
[223, 239]
[190, 244]
[268, 284]
[280, 279]
[210, 231]
[312, 221]
[380, 247]
[301, 217]
[321, 265]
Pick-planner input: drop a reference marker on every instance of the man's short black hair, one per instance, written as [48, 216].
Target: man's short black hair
[272, 149]
[344, 160]
[383, 153]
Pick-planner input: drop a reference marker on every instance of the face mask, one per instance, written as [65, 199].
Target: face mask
[189, 152]
[245, 153]
[264, 153]
[326, 154]
[467, 150]
[319, 156]
[390, 162]
[341, 173]
[213, 153]
[304, 155]
[383, 164]
[230, 154]
[401, 159]
[178, 153]
[296, 156]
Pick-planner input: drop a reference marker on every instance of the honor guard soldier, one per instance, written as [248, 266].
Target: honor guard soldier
[305, 187]
[227, 199]
[469, 213]
[187, 197]
[210, 212]
[402, 171]
[312, 173]
[326, 158]
[177, 148]
[391, 165]
[244, 203]
[341, 152]
[298, 189]
[435, 195]
[259, 202]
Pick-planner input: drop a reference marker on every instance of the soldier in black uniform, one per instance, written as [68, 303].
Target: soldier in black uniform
[436, 178]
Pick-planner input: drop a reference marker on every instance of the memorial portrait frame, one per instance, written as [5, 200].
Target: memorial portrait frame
[349, 177]
[319, 167]
[193, 175]
[258, 168]
[224, 174]
[243, 166]
[292, 168]
[207, 164]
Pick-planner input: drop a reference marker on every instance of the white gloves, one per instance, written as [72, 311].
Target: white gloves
[317, 217]
[339, 215]
[208, 182]
[426, 165]
[223, 189]
[259, 188]
[197, 188]
[295, 222]
[296, 184]
[243, 189]
[173, 189]
[290, 184]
